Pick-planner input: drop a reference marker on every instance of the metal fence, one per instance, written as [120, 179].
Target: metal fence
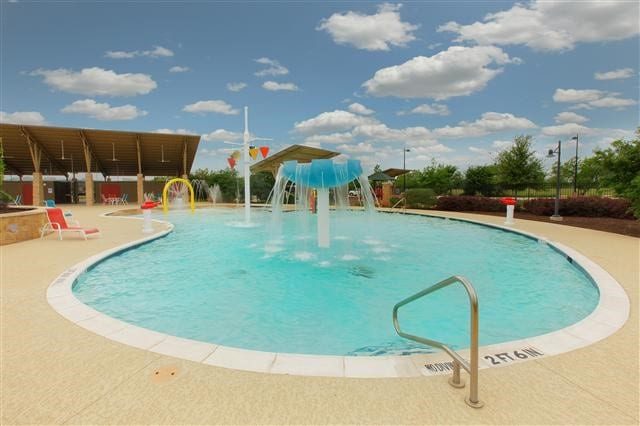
[539, 191]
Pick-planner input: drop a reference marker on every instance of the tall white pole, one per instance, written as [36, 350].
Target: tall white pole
[245, 160]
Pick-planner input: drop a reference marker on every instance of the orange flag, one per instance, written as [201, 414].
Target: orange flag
[264, 150]
[253, 152]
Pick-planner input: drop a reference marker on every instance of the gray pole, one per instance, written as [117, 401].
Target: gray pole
[404, 171]
[575, 170]
[556, 210]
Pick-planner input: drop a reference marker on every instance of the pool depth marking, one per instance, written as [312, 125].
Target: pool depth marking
[609, 316]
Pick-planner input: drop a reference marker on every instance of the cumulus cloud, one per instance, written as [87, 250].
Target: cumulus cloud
[457, 71]
[614, 75]
[177, 68]
[97, 81]
[381, 132]
[334, 121]
[570, 117]
[360, 109]
[500, 144]
[589, 98]
[103, 111]
[356, 148]
[176, 131]
[552, 25]
[236, 87]
[273, 68]
[370, 32]
[489, 122]
[330, 138]
[221, 135]
[433, 109]
[214, 106]
[156, 52]
[276, 87]
[567, 129]
[22, 117]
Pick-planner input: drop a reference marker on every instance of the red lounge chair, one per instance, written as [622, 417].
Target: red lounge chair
[58, 223]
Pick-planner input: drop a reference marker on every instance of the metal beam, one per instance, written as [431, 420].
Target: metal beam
[31, 140]
[89, 147]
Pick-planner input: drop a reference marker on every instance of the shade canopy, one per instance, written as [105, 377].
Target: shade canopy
[299, 153]
[380, 177]
[396, 172]
[62, 150]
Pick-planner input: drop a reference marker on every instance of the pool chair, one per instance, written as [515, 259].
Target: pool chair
[58, 223]
[123, 199]
[52, 204]
[17, 201]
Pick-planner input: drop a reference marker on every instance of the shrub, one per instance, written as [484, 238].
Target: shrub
[394, 201]
[420, 198]
[469, 204]
[619, 208]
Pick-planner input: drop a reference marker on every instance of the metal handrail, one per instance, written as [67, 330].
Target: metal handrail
[472, 366]
[404, 205]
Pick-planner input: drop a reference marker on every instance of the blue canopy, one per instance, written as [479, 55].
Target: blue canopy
[322, 173]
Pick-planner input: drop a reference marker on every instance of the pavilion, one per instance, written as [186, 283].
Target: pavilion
[45, 150]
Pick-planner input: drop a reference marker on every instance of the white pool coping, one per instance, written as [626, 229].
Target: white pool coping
[609, 316]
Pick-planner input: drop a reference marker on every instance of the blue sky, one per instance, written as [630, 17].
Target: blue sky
[452, 81]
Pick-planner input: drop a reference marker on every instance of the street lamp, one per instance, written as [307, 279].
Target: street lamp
[575, 167]
[556, 215]
[404, 169]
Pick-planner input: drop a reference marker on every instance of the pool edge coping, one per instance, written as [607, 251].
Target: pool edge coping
[608, 317]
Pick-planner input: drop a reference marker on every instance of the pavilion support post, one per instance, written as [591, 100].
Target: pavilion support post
[38, 189]
[140, 188]
[88, 189]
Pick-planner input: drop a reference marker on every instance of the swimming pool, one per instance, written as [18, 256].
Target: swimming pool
[242, 287]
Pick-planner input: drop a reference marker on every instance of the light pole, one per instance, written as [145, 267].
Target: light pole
[556, 211]
[575, 168]
[404, 169]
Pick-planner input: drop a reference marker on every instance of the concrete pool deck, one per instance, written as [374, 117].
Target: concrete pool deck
[56, 372]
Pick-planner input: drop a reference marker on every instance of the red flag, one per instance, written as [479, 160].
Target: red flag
[232, 162]
[264, 150]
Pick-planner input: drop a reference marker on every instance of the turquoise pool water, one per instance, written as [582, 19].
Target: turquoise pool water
[241, 287]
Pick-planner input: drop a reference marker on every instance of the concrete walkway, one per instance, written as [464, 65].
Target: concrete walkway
[54, 372]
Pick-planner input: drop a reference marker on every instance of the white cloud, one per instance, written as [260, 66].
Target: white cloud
[361, 147]
[221, 135]
[236, 87]
[567, 129]
[589, 98]
[333, 121]
[381, 132]
[500, 145]
[22, 117]
[489, 122]
[614, 75]
[457, 71]
[478, 150]
[275, 87]
[215, 106]
[176, 131]
[433, 109]
[570, 117]
[156, 52]
[103, 111]
[370, 32]
[330, 138]
[274, 68]
[552, 25]
[179, 69]
[360, 109]
[97, 81]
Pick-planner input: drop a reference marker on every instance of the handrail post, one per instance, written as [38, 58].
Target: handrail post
[472, 366]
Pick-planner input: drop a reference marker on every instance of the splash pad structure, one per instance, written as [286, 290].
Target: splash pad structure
[315, 182]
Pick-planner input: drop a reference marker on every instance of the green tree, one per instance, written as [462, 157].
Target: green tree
[480, 180]
[261, 185]
[413, 180]
[377, 168]
[589, 173]
[228, 181]
[518, 165]
[620, 166]
[441, 178]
